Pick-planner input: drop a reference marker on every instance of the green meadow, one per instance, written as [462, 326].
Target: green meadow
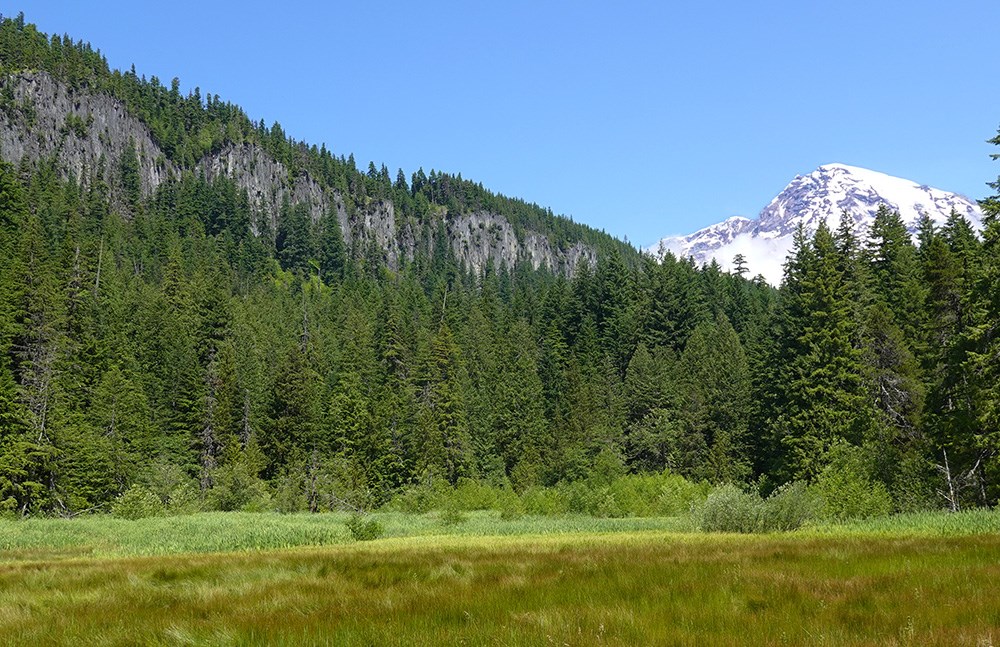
[241, 578]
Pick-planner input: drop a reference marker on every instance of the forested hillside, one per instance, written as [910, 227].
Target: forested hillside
[179, 338]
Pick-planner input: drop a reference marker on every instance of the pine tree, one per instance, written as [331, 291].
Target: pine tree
[895, 271]
[444, 445]
[521, 433]
[653, 435]
[984, 342]
[715, 401]
[290, 431]
[823, 399]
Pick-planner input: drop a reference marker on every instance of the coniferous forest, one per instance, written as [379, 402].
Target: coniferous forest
[173, 342]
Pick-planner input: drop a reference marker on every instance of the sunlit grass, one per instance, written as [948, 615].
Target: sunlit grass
[300, 579]
[102, 536]
[635, 588]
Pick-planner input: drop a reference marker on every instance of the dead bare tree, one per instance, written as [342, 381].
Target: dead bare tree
[956, 484]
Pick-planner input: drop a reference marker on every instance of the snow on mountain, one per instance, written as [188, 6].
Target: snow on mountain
[808, 199]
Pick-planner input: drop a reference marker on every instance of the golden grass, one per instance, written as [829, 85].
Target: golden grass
[581, 589]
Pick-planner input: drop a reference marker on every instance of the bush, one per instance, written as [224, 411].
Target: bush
[184, 499]
[237, 487]
[544, 501]
[657, 495]
[511, 508]
[137, 503]
[452, 516]
[474, 495]
[421, 498]
[790, 507]
[363, 528]
[848, 489]
[730, 509]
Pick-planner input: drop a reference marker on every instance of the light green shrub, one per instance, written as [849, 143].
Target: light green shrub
[544, 501]
[137, 502]
[452, 516]
[790, 507]
[238, 488]
[185, 498]
[421, 498]
[848, 489]
[364, 528]
[730, 509]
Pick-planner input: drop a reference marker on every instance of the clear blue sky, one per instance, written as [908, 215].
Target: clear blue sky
[641, 118]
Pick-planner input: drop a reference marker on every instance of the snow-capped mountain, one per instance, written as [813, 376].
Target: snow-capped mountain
[808, 199]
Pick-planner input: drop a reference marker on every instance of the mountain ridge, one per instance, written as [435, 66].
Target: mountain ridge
[91, 122]
[824, 194]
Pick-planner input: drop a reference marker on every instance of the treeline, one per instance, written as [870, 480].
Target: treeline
[179, 351]
[189, 127]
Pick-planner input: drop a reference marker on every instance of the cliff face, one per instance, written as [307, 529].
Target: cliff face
[41, 119]
[267, 181]
[87, 133]
[481, 238]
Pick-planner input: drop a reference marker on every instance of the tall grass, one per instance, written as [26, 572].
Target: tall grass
[578, 589]
[104, 536]
[935, 524]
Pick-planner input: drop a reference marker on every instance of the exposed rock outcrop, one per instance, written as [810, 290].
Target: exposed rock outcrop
[41, 118]
[84, 132]
[267, 181]
[481, 238]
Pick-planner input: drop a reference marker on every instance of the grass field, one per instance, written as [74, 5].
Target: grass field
[926, 579]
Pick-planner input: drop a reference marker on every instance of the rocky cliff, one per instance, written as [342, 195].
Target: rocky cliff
[88, 133]
[42, 119]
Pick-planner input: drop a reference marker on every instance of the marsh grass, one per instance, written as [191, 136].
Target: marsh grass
[105, 536]
[579, 589]
[238, 578]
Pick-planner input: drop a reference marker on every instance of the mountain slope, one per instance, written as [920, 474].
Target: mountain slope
[61, 104]
[824, 194]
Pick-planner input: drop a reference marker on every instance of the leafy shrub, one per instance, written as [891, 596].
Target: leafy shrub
[658, 495]
[185, 498]
[544, 501]
[474, 495]
[288, 495]
[511, 508]
[421, 498]
[237, 487]
[791, 506]
[848, 489]
[137, 502]
[730, 509]
[364, 528]
[452, 516]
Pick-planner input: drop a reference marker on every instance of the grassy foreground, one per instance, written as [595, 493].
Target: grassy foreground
[577, 587]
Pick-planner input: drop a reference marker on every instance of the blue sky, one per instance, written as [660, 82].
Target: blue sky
[640, 118]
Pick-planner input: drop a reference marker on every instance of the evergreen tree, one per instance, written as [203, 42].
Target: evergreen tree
[715, 401]
[824, 399]
[444, 445]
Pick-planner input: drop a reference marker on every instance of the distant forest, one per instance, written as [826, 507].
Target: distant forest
[159, 341]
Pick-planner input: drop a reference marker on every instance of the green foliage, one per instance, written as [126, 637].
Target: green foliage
[137, 502]
[364, 528]
[452, 516]
[791, 506]
[237, 487]
[847, 486]
[181, 341]
[730, 509]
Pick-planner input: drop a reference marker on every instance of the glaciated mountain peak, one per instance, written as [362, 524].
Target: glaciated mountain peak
[824, 194]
